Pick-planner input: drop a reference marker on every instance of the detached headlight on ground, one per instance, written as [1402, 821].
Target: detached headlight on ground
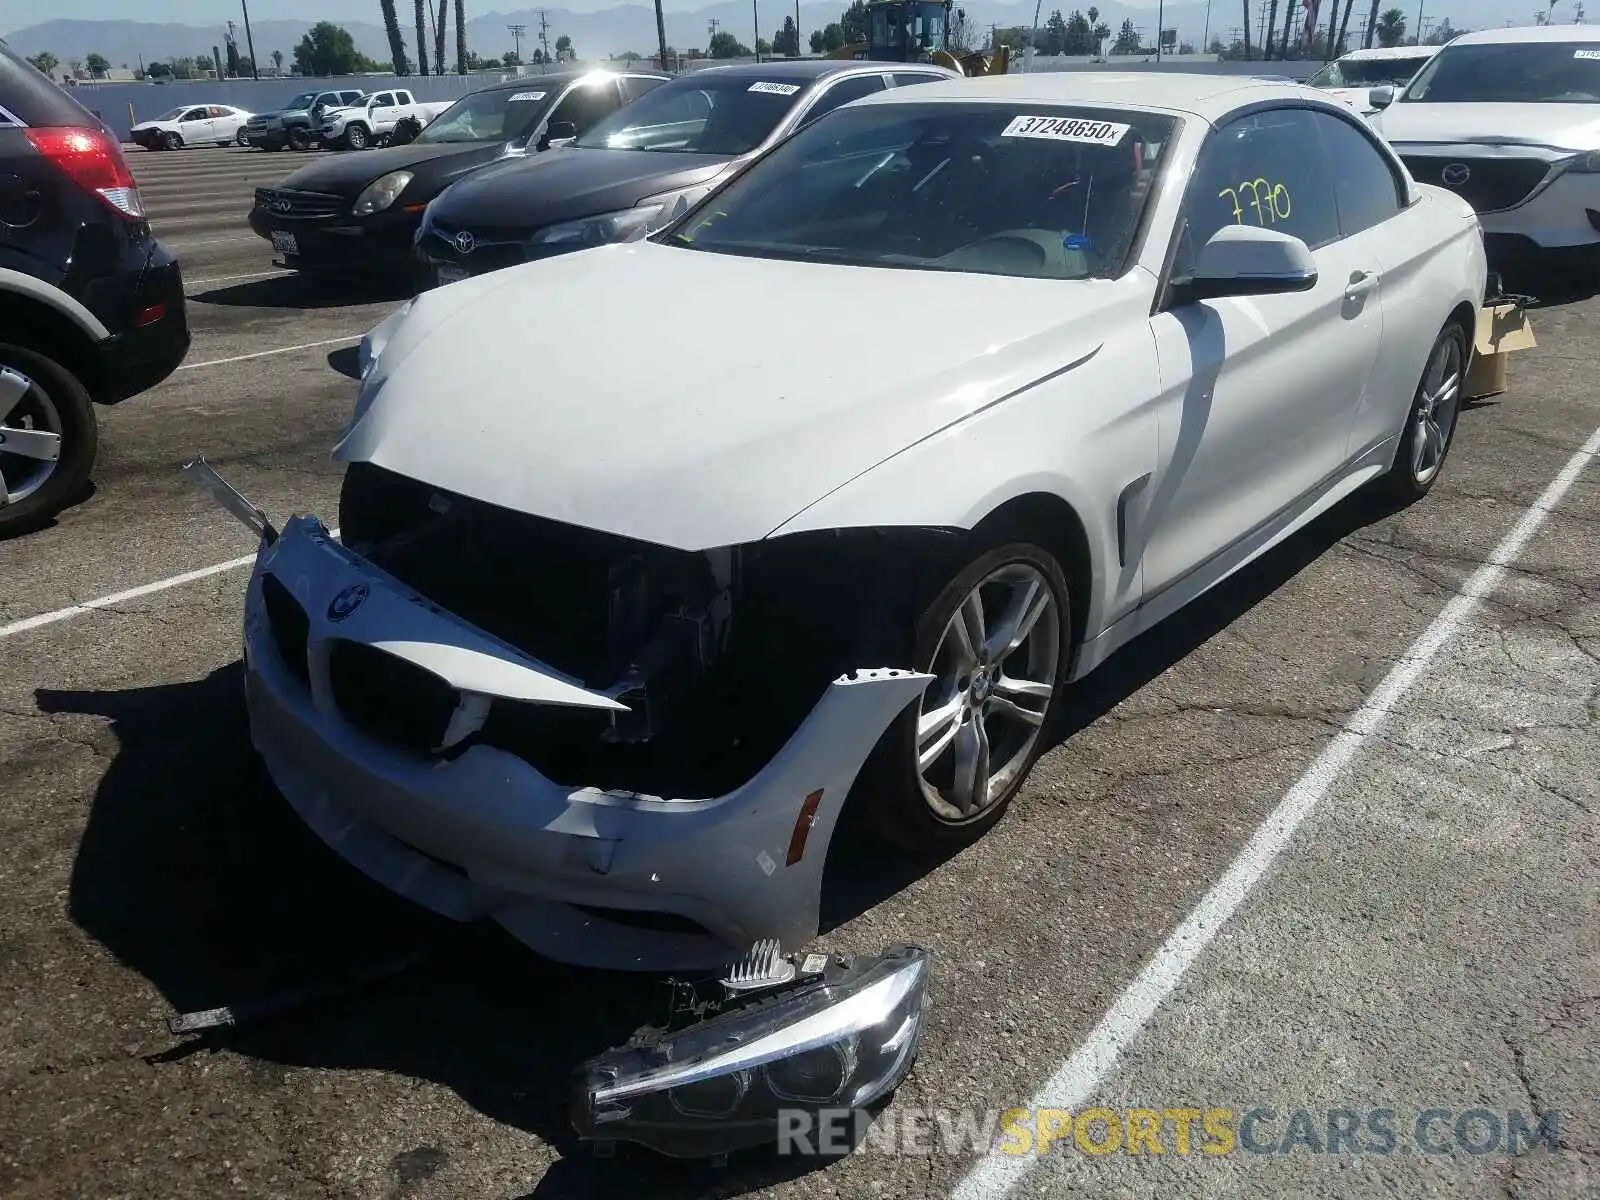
[827, 1034]
[381, 193]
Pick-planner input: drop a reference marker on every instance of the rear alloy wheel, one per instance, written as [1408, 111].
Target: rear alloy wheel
[47, 438]
[995, 640]
[172, 140]
[355, 137]
[1431, 424]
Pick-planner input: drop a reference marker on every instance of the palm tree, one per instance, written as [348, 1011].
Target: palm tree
[1372, 26]
[461, 37]
[397, 44]
[1344, 25]
[661, 36]
[439, 35]
[277, 61]
[1247, 30]
[1272, 31]
[422, 38]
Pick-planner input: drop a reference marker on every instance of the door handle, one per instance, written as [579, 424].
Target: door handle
[1361, 282]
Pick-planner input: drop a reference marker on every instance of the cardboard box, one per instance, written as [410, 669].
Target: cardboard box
[1502, 329]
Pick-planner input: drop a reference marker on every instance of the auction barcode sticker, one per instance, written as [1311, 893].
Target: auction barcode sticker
[777, 89]
[1591, 54]
[1067, 129]
[526, 96]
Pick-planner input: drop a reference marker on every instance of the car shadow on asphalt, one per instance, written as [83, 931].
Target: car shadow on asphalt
[302, 291]
[196, 874]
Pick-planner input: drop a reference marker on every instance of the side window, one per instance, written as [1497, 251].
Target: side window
[1365, 186]
[634, 86]
[194, 114]
[843, 92]
[1263, 169]
[584, 106]
[906, 79]
[401, 98]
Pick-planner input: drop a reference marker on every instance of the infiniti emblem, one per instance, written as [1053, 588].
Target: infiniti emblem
[1455, 174]
[464, 242]
[347, 601]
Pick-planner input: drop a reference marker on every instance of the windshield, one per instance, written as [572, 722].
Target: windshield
[303, 100]
[1510, 73]
[1368, 72]
[918, 26]
[699, 115]
[500, 115]
[1045, 192]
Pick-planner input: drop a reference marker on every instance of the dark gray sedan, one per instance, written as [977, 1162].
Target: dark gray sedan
[634, 170]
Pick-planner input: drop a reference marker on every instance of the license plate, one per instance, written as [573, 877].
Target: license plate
[284, 243]
[451, 275]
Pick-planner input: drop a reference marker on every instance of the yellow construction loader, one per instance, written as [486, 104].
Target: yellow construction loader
[918, 31]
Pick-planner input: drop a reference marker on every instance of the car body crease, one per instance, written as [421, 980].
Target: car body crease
[1056, 373]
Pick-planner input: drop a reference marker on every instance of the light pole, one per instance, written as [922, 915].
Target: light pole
[1205, 38]
[755, 20]
[1420, 3]
[249, 40]
[1161, 21]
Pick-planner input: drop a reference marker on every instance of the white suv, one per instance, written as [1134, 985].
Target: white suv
[1510, 120]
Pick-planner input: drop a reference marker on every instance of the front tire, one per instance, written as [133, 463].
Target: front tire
[44, 409]
[299, 139]
[355, 137]
[997, 641]
[1430, 426]
[172, 140]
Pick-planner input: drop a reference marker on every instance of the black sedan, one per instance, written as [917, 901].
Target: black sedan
[633, 171]
[359, 212]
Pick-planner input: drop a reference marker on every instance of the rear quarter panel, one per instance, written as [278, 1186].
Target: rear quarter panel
[1433, 260]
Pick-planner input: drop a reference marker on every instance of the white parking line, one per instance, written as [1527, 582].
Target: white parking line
[116, 598]
[218, 362]
[192, 283]
[1081, 1075]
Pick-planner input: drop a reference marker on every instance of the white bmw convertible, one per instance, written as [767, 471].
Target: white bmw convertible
[654, 555]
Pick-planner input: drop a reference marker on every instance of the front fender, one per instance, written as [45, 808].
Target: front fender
[1086, 438]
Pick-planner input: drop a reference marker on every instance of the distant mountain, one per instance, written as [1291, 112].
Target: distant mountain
[614, 30]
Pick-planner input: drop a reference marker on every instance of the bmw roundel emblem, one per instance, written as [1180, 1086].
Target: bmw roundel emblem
[1455, 174]
[347, 601]
[464, 242]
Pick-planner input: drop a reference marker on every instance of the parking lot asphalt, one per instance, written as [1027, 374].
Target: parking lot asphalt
[1421, 935]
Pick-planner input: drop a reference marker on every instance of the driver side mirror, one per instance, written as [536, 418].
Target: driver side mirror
[557, 131]
[1381, 97]
[1246, 260]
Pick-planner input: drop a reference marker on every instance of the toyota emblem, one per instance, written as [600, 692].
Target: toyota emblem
[347, 601]
[1455, 174]
[464, 242]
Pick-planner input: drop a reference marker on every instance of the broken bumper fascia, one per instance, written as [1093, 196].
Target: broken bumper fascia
[487, 835]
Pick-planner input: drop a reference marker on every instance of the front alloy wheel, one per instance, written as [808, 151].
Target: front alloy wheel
[355, 137]
[996, 642]
[994, 676]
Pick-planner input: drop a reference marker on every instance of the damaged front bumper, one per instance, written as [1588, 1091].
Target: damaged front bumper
[579, 874]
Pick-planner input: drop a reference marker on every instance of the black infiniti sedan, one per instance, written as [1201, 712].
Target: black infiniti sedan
[634, 170]
[358, 213]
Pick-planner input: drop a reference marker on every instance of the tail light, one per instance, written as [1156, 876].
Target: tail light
[93, 160]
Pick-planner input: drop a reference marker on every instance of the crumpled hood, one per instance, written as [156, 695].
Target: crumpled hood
[1560, 126]
[695, 399]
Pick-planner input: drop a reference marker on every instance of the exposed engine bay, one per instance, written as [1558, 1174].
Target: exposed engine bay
[718, 655]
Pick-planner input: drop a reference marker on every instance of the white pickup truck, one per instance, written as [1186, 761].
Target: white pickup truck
[373, 120]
